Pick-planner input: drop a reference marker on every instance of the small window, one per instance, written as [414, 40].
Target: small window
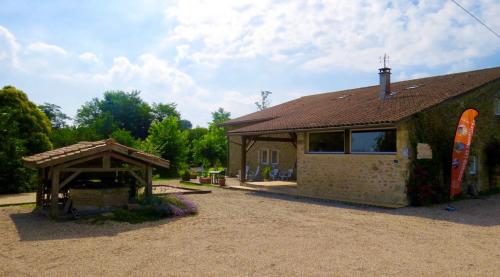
[275, 157]
[377, 141]
[264, 156]
[328, 142]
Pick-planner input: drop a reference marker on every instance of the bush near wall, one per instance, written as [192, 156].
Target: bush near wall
[430, 179]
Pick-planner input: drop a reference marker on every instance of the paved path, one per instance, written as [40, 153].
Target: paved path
[16, 199]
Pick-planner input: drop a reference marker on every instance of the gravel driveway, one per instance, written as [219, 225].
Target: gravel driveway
[241, 233]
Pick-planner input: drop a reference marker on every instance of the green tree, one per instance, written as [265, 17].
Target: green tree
[220, 116]
[161, 111]
[24, 130]
[117, 110]
[125, 137]
[185, 124]
[166, 140]
[194, 135]
[55, 115]
[211, 149]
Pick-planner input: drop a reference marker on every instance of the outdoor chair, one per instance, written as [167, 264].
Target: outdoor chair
[253, 176]
[247, 169]
[274, 174]
[287, 175]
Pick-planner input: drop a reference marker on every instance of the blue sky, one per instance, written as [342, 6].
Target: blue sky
[209, 54]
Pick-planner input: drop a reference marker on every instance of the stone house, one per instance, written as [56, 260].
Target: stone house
[359, 145]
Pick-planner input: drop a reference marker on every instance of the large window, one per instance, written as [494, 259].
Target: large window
[377, 141]
[331, 142]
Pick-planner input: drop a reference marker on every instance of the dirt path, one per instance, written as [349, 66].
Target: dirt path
[240, 233]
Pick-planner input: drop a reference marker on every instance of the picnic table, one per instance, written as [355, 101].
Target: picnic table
[214, 175]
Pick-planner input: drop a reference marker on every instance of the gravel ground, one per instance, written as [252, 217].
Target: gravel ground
[242, 233]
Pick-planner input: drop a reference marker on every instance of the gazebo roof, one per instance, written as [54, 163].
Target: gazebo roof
[88, 148]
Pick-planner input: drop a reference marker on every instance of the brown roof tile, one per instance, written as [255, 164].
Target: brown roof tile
[362, 106]
[64, 154]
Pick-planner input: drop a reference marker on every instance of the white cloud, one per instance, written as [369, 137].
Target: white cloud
[89, 57]
[326, 34]
[45, 48]
[160, 81]
[8, 47]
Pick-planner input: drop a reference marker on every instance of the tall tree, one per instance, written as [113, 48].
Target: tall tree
[185, 124]
[118, 110]
[166, 140]
[211, 149]
[220, 116]
[264, 100]
[161, 111]
[24, 130]
[56, 116]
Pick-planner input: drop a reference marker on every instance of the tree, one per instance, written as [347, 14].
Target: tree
[194, 135]
[185, 124]
[220, 116]
[161, 111]
[24, 130]
[118, 110]
[55, 115]
[125, 137]
[167, 141]
[264, 101]
[211, 149]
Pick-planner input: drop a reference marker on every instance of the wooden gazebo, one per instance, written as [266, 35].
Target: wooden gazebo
[60, 168]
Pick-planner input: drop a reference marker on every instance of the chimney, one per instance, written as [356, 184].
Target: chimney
[385, 80]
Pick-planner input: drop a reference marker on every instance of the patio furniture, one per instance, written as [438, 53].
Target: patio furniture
[247, 169]
[286, 175]
[215, 175]
[274, 174]
[254, 175]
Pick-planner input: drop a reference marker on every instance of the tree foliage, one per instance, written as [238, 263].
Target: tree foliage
[264, 102]
[24, 130]
[166, 140]
[55, 115]
[161, 111]
[211, 149]
[118, 110]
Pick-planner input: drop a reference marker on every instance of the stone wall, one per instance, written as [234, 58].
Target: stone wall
[378, 179]
[438, 126]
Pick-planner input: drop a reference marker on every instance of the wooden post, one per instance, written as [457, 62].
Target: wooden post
[39, 188]
[54, 205]
[243, 171]
[149, 181]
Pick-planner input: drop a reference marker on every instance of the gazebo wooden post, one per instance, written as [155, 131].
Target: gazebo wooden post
[149, 180]
[243, 171]
[39, 187]
[54, 198]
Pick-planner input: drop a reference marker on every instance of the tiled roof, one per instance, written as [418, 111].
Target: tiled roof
[87, 148]
[362, 106]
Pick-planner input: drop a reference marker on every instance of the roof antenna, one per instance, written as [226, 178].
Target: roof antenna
[385, 79]
[386, 60]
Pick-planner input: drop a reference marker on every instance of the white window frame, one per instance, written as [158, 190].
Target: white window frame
[277, 156]
[260, 156]
[373, 129]
[330, 152]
